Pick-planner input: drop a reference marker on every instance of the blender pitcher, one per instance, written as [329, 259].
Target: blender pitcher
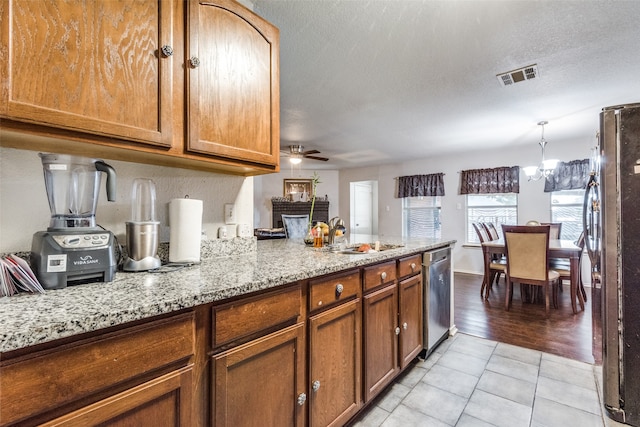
[142, 230]
[73, 187]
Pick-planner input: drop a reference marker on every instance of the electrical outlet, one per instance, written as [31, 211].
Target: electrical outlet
[230, 213]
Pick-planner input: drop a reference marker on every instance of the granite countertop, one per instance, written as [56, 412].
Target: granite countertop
[27, 319]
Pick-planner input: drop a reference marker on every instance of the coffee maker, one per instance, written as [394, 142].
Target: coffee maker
[142, 230]
[74, 249]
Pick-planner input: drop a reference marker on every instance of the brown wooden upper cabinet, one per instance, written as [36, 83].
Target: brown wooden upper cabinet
[93, 67]
[233, 80]
[188, 84]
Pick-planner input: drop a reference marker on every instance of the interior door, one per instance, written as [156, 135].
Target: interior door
[362, 208]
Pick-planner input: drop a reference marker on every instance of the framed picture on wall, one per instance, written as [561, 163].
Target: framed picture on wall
[296, 189]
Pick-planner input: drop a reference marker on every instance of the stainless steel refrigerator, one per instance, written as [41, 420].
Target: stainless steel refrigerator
[612, 227]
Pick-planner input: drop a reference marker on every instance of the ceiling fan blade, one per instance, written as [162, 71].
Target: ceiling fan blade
[324, 159]
[311, 152]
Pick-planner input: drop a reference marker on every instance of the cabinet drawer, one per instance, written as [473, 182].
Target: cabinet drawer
[324, 292]
[380, 274]
[247, 317]
[409, 265]
[52, 378]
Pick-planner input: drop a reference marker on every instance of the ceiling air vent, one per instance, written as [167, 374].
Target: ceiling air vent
[526, 73]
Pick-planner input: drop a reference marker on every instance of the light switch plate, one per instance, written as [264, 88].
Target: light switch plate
[230, 213]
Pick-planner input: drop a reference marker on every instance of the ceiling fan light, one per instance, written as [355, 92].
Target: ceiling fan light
[295, 160]
[530, 170]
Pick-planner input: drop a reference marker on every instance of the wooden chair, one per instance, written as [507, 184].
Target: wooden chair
[527, 250]
[495, 267]
[295, 226]
[563, 267]
[554, 229]
[491, 230]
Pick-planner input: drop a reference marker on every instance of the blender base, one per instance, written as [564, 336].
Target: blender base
[146, 263]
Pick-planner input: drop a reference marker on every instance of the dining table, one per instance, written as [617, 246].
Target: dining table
[558, 248]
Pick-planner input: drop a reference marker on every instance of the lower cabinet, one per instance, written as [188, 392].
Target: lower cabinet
[411, 324]
[164, 401]
[261, 382]
[380, 316]
[335, 365]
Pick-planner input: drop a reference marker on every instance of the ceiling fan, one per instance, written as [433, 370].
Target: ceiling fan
[296, 153]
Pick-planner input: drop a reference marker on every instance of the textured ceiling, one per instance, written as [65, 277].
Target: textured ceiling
[371, 82]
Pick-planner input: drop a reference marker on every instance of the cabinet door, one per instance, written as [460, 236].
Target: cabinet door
[261, 382]
[165, 401]
[233, 83]
[92, 66]
[335, 365]
[411, 325]
[380, 339]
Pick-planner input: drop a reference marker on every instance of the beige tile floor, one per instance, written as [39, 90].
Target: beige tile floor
[471, 381]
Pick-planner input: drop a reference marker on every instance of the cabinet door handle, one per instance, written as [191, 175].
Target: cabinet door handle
[339, 289]
[194, 61]
[413, 266]
[316, 385]
[302, 398]
[397, 331]
[405, 326]
[166, 50]
[383, 275]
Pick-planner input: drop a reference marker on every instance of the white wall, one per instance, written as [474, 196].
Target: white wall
[533, 202]
[267, 186]
[24, 208]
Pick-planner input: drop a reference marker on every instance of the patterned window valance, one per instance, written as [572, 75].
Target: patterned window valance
[421, 185]
[572, 175]
[497, 180]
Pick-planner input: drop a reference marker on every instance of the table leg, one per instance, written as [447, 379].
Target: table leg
[575, 283]
[484, 290]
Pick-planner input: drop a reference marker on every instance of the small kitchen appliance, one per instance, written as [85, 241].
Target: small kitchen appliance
[74, 249]
[142, 230]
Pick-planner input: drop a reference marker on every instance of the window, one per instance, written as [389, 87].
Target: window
[497, 208]
[566, 207]
[421, 217]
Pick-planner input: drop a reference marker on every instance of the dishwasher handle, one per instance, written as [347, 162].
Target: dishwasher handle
[436, 256]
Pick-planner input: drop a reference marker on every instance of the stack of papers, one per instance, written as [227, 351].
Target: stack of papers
[16, 275]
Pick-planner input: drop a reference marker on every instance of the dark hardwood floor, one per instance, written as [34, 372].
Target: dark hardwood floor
[525, 325]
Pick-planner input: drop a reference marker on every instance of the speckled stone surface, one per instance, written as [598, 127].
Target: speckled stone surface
[26, 319]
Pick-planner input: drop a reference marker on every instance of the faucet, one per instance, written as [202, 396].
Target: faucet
[335, 224]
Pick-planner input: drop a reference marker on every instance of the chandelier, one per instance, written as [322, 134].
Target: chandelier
[546, 166]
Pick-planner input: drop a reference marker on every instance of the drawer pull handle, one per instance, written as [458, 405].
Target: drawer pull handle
[166, 50]
[405, 326]
[397, 331]
[194, 61]
[339, 289]
[302, 398]
[383, 275]
[316, 385]
[413, 266]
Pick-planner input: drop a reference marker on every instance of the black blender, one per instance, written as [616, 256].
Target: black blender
[74, 250]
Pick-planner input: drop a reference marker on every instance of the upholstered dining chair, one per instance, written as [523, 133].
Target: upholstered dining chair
[496, 267]
[554, 229]
[527, 250]
[295, 226]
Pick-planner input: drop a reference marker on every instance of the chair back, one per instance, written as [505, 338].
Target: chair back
[580, 242]
[482, 232]
[527, 250]
[554, 229]
[295, 226]
[491, 230]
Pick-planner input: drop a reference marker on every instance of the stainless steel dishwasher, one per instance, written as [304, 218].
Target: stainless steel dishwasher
[436, 273]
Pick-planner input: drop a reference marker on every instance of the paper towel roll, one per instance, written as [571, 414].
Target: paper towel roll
[185, 221]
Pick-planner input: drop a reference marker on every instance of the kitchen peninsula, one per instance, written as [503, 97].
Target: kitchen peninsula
[92, 351]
